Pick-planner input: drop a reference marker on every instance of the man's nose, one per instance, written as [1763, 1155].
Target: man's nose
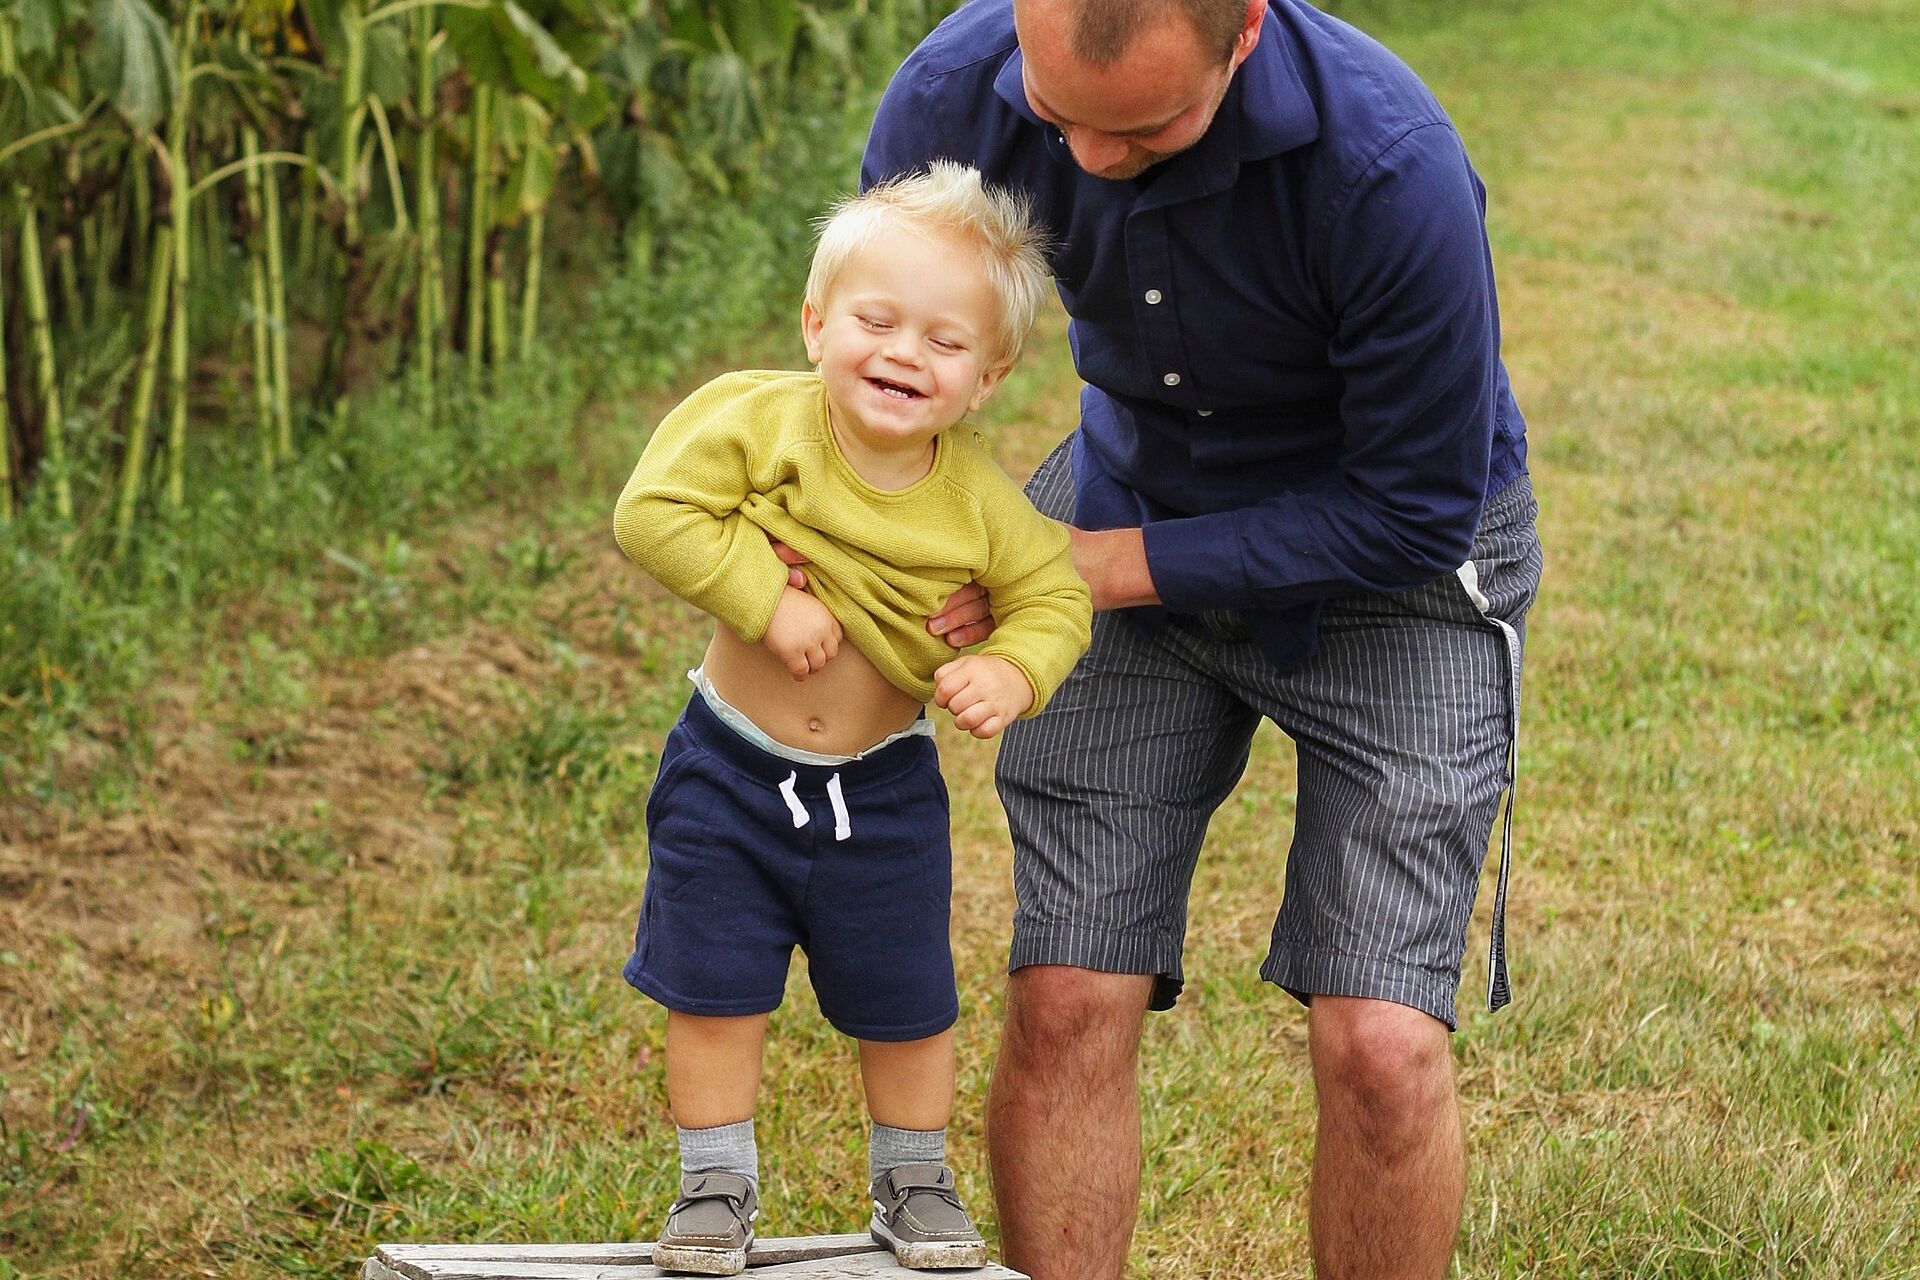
[1096, 151]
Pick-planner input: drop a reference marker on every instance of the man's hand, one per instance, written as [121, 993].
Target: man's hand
[791, 558]
[966, 618]
[804, 634]
[985, 694]
[1113, 562]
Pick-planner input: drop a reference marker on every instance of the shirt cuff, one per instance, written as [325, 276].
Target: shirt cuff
[1196, 563]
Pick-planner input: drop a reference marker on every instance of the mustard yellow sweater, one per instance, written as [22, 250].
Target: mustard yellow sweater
[750, 455]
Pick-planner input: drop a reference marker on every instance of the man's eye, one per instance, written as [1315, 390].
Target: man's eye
[871, 323]
[945, 345]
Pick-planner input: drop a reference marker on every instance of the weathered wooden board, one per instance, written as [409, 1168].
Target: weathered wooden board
[845, 1257]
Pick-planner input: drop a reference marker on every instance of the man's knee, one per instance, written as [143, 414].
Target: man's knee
[1387, 1063]
[1063, 1018]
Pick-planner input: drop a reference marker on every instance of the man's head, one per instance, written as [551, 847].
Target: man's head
[921, 295]
[1131, 82]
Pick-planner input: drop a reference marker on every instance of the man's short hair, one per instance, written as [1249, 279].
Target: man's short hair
[950, 198]
[1103, 29]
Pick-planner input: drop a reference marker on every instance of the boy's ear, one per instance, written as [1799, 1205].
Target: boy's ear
[811, 323]
[989, 380]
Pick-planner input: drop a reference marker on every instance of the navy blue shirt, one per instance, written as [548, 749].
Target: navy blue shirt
[1288, 332]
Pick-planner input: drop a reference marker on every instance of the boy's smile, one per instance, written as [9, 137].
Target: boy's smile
[908, 344]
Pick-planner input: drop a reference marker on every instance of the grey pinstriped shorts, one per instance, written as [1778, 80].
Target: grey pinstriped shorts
[1403, 723]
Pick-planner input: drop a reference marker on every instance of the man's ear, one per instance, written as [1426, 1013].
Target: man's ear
[989, 380]
[811, 323]
[1249, 36]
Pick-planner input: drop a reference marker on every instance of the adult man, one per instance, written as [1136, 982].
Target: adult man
[1299, 490]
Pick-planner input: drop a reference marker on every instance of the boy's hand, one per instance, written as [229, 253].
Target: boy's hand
[985, 694]
[804, 634]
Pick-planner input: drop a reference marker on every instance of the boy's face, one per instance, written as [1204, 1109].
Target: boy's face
[905, 340]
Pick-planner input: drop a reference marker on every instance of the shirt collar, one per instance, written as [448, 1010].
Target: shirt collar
[1267, 109]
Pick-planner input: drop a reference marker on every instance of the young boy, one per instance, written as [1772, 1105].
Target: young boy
[799, 798]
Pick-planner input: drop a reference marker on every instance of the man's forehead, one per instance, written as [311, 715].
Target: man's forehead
[1154, 82]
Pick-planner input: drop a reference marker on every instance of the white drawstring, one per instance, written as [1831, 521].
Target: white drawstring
[842, 824]
[794, 807]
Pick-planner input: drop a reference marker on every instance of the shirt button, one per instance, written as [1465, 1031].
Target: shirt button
[1153, 297]
[1172, 379]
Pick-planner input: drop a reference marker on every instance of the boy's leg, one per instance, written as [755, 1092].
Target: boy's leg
[713, 1080]
[713, 1068]
[917, 1213]
[909, 1083]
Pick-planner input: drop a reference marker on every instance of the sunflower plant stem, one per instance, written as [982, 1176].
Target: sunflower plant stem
[257, 292]
[277, 307]
[479, 217]
[180, 211]
[427, 209]
[133, 462]
[6, 428]
[530, 292]
[46, 375]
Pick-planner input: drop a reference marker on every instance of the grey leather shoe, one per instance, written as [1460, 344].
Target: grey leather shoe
[709, 1226]
[918, 1214]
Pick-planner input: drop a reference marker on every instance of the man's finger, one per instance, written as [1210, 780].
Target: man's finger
[973, 634]
[797, 580]
[786, 553]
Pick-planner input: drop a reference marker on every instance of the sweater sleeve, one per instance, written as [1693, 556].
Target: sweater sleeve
[1043, 612]
[679, 516]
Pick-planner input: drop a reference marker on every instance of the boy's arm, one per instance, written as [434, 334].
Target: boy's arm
[1042, 610]
[679, 516]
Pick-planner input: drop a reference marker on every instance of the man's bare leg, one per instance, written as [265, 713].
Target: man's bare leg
[1389, 1171]
[1063, 1121]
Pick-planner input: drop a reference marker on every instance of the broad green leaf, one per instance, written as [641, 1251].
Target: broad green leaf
[389, 63]
[40, 22]
[131, 59]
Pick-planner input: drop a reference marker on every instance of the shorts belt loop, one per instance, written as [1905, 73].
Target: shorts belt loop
[794, 807]
[842, 824]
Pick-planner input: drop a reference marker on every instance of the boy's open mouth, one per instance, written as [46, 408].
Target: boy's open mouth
[898, 391]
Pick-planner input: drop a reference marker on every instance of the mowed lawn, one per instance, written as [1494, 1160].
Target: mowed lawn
[336, 960]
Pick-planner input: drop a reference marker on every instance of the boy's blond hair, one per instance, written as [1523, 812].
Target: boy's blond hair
[949, 198]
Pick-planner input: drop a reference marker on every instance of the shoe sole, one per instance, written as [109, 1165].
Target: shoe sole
[930, 1255]
[700, 1260]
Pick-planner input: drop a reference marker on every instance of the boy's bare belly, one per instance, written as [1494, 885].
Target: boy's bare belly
[841, 709]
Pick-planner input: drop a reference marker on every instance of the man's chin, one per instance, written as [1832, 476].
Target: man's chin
[1127, 170]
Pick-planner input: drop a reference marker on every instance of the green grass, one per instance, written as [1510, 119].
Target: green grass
[311, 931]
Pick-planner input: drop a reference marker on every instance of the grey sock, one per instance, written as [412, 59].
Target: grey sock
[729, 1148]
[893, 1147]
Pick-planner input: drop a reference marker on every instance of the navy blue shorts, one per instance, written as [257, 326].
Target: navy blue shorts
[752, 855]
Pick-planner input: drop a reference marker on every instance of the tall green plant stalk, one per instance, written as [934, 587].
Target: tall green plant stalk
[257, 291]
[6, 428]
[46, 377]
[306, 225]
[105, 230]
[497, 353]
[479, 216]
[530, 293]
[180, 211]
[277, 304]
[142, 161]
[353, 71]
[133, 462]
[427, 208]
